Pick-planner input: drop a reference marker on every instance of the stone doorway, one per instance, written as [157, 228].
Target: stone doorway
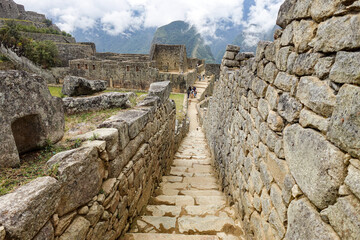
[27, 132]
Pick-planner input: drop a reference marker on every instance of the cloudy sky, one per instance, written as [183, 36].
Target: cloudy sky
[117, 16]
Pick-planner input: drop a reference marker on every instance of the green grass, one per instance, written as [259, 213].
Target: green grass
[33, 165]
[179, 100]
[56, 92]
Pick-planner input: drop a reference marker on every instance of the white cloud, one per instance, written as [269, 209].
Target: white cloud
[261, 19]
[120, 16]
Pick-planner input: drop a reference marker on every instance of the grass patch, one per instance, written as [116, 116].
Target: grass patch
[179, 100]
[33, 165]
[56, 92]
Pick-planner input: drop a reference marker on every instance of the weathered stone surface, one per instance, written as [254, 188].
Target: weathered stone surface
[346, 68]
[232, 48]
[276, 198]
[305, 63]
[264, 108]
[230, 63]
[163, 236]
[94, 214]
[203, 225]
[276, 122]
[29, 116]
[259, 87]
[323, 67]
[285, 81]
[118, 123]
[310, 119]
[272, 96]
[46, 233]
[285, 14]
[270, 72]
[288, 34]
[304, 222]
[110, 135]
[276, 223]
[161, 90]
[64, 222]
[76, 86]
[304, 32]
[288, 107]
[316, 95]
[344, 129]
[77, 230]
[282, 57]
[2, 233]
[317, 166]
[321, 9]
[270, 51]
[24, 212]
[229, 55]
[260, 50]
[79, 172]
[342, 218]
[353, 180]
[241, 56]
[337, 33]
[96, 103]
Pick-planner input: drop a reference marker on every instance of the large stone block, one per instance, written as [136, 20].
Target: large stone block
[77, 86]
[161, 90]
[304, 32]
[316, 95]
[321, 9]
[337, 33]
[110, 135]
[344, 217]
[80, 174]
[304, 222]
[24, 212]
[123, 129]
[293, 9]
[270, 72]
[288, 107]
[317, 166]
[29, 116]
[285, 81]
[353, 180]
[344, 129]
[312, 120]
[77, 230]
[97, 103]
[346, 68]
[305, 63]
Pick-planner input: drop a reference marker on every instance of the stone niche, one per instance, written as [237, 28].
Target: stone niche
[30, 117]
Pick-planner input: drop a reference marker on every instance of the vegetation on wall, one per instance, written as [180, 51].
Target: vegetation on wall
[43, 53]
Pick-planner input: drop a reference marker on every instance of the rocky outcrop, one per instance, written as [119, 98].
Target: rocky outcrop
[77, 86]
[30, 116]
[103, 185]
[283, 126]
[97, 103]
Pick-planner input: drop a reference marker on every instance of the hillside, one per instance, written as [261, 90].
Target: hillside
[180, 32]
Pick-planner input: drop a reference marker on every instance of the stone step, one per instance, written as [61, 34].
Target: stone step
[162, 236]
[205, 225]
[163, 210]
[147, 224]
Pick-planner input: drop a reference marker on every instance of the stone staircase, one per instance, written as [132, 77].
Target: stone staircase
[188, 205]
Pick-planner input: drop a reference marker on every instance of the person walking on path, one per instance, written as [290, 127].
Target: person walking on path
[188, 92]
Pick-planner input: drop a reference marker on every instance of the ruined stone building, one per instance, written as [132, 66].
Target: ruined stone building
[67, 46]
[138, 71]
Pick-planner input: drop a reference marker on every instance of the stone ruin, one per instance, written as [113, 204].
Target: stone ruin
[30, 117]
[77, 86]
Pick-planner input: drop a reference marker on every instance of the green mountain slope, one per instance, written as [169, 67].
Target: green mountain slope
[179, 32]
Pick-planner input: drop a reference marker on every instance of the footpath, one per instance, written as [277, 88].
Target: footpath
[189, 204]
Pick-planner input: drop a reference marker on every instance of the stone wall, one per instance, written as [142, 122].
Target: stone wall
[128, 74]
[284, 127]
[212, 69]
[48, 37]
[70, 51]
[103, 185]
[169, 57]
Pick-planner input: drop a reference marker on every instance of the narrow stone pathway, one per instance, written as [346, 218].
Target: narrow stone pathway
[189, 204]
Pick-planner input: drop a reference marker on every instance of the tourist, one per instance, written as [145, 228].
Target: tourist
[194, 91]
[188, 92]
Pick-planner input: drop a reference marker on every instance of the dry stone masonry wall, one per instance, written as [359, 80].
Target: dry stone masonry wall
[103, 185]
[284, 127]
